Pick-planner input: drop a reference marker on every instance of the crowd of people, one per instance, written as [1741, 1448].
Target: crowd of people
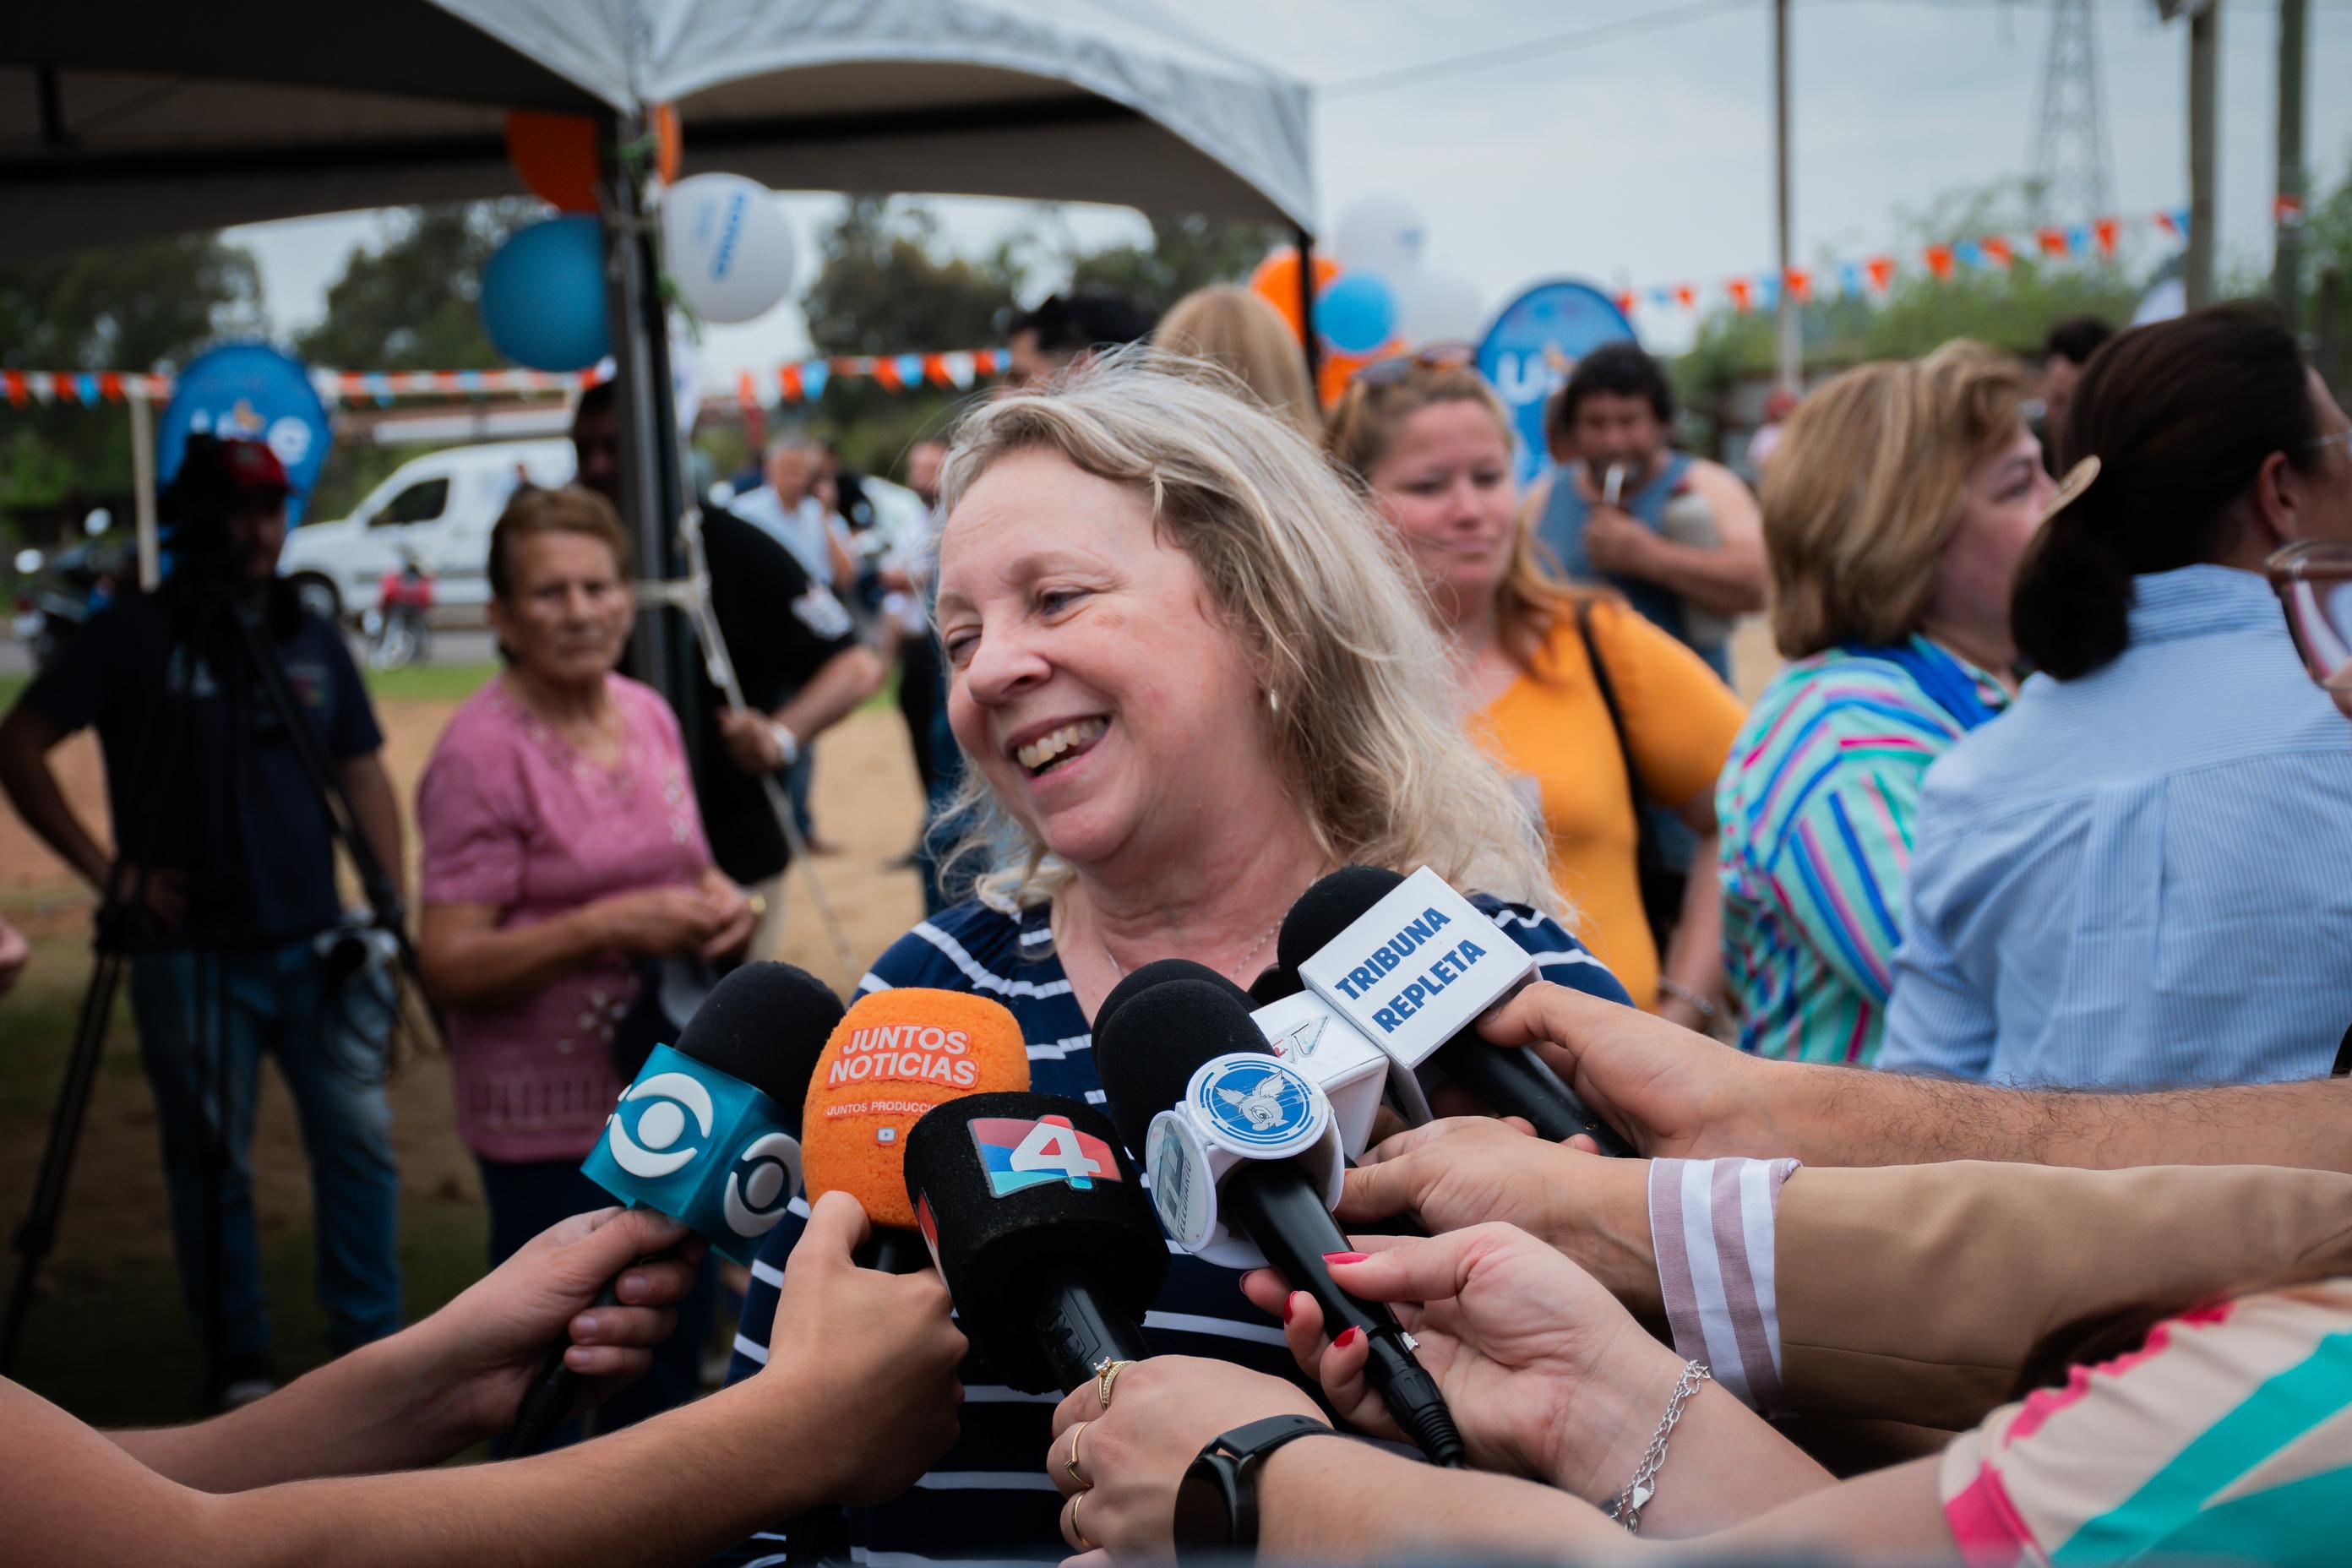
[1970, 1000]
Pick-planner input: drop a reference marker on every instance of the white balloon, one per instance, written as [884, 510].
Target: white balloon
[727, 242]
[1381, 235]
[1439, 307]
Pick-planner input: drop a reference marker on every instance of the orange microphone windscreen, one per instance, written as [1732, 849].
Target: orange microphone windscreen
[894, 1055]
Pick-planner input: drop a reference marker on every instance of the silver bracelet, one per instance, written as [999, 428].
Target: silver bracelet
[1706, 1009]
[1627, 1509]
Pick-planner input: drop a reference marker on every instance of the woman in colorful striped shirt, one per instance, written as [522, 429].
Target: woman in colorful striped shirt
[1898, 504]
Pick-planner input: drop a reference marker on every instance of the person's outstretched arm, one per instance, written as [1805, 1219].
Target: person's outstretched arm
[1676, 1094]
[439, 1386]
[863, 1401]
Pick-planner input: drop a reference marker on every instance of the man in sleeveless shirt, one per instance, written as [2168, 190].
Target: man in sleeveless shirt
[1678, 536]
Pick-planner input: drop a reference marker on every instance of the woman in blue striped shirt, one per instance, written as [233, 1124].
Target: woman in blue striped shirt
[1189, 674]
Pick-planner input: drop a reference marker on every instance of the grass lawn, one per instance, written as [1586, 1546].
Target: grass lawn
[106, 1337]
[428, 682]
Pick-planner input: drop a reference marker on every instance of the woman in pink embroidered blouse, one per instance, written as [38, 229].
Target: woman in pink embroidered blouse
[562, 850]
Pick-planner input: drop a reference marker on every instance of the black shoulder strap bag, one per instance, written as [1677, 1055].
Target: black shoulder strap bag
[1662, 885]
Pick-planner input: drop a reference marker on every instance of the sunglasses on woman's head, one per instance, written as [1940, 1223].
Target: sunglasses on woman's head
[2313, 580]
[1448, 355]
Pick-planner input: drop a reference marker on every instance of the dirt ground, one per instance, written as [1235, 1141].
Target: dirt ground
[114, 1235]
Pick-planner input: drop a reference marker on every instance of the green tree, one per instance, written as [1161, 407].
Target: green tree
[410, 301]
[887, 284]
[145, 307]
[1186, 252]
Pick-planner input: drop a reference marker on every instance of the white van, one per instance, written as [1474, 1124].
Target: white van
[437, 508]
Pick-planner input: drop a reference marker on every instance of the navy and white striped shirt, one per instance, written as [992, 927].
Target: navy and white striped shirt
[2137, 877]
[990, 1498]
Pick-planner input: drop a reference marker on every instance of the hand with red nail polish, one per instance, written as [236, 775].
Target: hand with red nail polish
[1547, 1375]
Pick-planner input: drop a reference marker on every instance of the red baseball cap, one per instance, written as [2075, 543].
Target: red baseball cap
[247, 468]
[217, 473]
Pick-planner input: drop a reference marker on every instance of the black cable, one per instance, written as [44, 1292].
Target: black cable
[1531, 49]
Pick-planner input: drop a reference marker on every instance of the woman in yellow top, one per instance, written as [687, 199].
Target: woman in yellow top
[1432, 444]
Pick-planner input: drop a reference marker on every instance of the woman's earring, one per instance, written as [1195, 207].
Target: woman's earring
[1273, 703]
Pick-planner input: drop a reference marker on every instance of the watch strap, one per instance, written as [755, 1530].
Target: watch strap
[1236, 1457]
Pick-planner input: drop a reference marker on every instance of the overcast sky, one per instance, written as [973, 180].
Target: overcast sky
[1647, 159]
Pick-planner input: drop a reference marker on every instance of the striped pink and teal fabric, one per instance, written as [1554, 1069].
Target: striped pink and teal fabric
[2226, 1438]
[1817, 805]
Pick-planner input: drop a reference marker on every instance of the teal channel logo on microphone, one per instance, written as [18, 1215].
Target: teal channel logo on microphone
[702, 1147]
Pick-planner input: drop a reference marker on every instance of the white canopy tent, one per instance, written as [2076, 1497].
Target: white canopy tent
[122, 119]
[134, 118]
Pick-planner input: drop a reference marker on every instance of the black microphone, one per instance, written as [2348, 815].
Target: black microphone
[1514, 1081]
[1042, 1230]
[1270, 987]
[1148, 1055]
[761, 1027]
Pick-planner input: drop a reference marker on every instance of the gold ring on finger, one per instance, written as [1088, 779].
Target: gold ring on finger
[1076, 1530]
[1105, 1379]
[1071, 1464]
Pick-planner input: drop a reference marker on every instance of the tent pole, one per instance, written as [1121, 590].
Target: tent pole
[660, 653]
[143, 479]
[1307, 307]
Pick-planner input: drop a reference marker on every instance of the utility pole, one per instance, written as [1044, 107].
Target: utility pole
[2070, 143]
[2204, 104]
[2287, 270]
[1792, 354]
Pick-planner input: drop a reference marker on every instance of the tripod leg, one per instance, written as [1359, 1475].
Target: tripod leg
[38, 1233]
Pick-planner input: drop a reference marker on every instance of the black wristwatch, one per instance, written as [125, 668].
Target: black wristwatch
[1216, 1502]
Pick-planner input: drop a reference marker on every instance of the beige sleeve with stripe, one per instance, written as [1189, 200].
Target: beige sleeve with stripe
[1915, 1292]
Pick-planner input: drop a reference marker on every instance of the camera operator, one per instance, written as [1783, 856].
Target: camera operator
[222, 885]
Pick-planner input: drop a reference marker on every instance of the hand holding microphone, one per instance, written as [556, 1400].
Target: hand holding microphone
[875, 1351]
[1552, 1378]
[708, 1134]
[1244, 1159]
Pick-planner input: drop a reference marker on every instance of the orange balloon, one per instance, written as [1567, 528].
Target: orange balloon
[1276, 282]
[1338, 370]
[669, 141]
[556, 153]
[556, 156]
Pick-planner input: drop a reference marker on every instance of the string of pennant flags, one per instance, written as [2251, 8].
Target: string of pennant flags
[802, 380]
[805, 381]
[1875, 275]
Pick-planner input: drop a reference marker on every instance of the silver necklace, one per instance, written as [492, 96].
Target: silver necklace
[1233, 975]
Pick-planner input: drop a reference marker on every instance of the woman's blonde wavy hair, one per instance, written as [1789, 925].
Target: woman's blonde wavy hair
[1865, 492]
[1317, 587]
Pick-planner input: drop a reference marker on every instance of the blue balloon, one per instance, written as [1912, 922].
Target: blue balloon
[249, 392]
[1357, 314]
[543, 295]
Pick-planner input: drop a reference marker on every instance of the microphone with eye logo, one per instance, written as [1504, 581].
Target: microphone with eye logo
[709, 1134]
